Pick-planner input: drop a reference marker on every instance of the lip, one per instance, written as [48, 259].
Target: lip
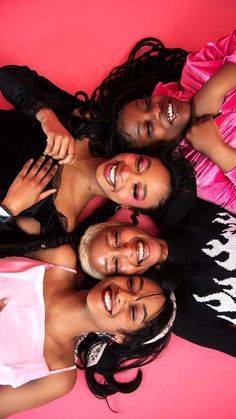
[107, 174]
[146, 250]
[107, 297]
[174, 110]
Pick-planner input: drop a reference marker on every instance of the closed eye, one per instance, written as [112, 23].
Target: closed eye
[135, 193]
[147, 103]
[133, 313]
[148, 128]
[130, 284]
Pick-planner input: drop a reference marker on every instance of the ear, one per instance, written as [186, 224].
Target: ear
[118, 338]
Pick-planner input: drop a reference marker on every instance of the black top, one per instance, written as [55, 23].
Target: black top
[203, 246]
[22, 137]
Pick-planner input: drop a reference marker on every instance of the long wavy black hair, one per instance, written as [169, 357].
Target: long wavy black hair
[148, 63]
[132, 353]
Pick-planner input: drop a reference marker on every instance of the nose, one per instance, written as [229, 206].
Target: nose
[154, 112]
[124, 297]
[125, 173]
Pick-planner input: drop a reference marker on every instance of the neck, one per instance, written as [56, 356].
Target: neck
[73, 316]
[85, 166]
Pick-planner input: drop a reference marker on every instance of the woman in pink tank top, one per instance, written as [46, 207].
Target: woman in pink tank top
[45, 313]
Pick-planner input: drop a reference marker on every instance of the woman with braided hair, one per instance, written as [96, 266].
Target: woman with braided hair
[153, 114]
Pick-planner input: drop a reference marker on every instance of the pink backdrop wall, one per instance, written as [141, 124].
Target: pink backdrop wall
[75, 43]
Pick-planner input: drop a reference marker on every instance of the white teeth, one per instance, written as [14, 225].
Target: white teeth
[113, 175]
[170, 112]
[140, 251]
[107, 299]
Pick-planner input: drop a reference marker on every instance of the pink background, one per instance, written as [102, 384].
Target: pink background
[75, 43]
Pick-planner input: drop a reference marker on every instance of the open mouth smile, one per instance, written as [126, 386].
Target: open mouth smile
[171, 112]
[107, 299]
[142, 251]
[111, 174]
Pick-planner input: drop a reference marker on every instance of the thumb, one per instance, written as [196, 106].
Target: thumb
[45, 194]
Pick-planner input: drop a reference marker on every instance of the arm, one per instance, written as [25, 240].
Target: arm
[36, 96]
[210, 96]
[35, 393]
[206, 138]
[28, 187]
[29, 92]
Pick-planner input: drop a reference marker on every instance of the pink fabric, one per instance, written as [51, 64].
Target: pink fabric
[22, 321]
[212, 184]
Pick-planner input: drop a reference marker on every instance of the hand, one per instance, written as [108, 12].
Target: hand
[60, 143]
[3, 303]
[27, 188]
[205, 136]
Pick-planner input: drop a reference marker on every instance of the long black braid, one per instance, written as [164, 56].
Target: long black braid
[148, 63]
[33, 242]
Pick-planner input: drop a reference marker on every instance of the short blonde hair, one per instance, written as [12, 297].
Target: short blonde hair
[85, 241]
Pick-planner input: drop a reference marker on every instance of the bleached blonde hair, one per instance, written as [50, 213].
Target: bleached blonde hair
[84, 253]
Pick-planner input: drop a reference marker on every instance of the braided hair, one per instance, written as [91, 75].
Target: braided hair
[148, 63]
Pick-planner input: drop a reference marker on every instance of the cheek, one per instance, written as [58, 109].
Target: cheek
[123, 197]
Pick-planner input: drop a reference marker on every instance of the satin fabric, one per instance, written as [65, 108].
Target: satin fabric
[22, 321]
[212, 184]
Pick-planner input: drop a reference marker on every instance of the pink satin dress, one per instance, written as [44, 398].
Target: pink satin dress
[22, 321]
[212, 184]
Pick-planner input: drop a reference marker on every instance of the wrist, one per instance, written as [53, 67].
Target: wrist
[44, 113]
[6, 215]
[11, 208]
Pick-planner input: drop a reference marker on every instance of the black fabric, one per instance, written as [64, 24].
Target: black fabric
[22, 138]
[182, 199]
[203, 249]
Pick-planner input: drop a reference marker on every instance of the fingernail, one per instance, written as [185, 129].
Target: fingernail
[5, 301]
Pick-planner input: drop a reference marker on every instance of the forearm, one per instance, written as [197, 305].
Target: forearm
[224, 157]
[29, 92]
[211, 95]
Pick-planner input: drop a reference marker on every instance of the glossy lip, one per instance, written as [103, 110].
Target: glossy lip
[146, 251]
[103, 294]
[107, 173]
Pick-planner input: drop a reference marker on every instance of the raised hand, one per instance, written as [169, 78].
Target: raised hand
[204, 134]
[28, 187]
[60, 143]
[206, 138]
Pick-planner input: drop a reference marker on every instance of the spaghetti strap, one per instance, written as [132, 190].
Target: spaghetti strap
[63, 370]
[64, 268]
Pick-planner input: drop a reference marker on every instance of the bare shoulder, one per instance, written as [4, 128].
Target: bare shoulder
[62, 255]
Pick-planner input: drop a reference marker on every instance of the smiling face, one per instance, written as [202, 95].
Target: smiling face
[123, 249]
[157, 118]
[124, 303]
[134, 180]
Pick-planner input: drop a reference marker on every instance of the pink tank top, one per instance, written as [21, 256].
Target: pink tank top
[22, 322]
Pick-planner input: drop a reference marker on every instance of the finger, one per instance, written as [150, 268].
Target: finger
[56, 146]
[45, 194]
[50, 142]
[48, 177]
[69, 159]
[25, 168]
[3, 303]
[44, 170]
[36, 167]
[63, 152]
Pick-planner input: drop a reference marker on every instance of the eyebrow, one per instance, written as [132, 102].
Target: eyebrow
[138, 129]
[144, 313]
